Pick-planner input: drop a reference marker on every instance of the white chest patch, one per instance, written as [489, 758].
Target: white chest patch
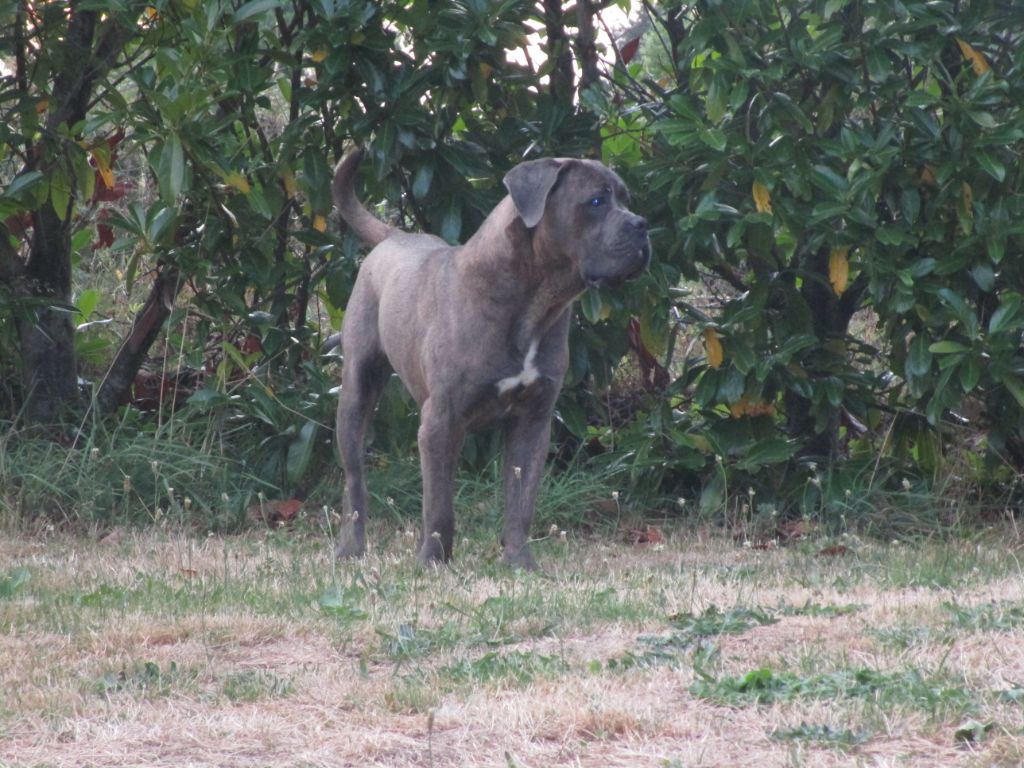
[526, 377]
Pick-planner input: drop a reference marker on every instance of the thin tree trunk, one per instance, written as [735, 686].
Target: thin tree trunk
[114, 390]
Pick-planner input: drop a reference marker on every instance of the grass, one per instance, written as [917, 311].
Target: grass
[166, 648]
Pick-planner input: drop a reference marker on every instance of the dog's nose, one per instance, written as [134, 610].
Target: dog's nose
[640, 223]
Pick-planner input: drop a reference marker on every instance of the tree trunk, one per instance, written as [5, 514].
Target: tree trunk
[559, 51]
[49, 370]
[114, 390]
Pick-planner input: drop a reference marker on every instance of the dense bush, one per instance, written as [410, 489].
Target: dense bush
[842, 177]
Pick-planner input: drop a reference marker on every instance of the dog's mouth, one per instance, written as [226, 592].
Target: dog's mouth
[633, 266]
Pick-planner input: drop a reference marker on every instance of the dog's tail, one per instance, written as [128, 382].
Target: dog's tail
[367, 227]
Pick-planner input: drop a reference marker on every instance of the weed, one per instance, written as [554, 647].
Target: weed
[410, 642]
[15, 579]
[999, 616]
[341, 604]
[714, 621]
[515, 668]
[911, 688]
[816, 609]
[145, 679]
[822, 733]
[253, 685]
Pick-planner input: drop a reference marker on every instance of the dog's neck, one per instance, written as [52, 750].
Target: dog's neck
[541, 288]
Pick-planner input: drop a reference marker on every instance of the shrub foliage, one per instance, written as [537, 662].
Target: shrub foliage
[843, 177]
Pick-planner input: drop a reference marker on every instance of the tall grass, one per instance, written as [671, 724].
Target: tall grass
[128, 473]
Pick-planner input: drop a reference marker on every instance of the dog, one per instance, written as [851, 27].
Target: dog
[478, 333]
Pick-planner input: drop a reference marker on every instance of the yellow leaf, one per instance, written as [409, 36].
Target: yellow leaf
[319, 55]
[762, 198]
[928, 175]
[238, 181]
[747, 407]
[967, 196]
[102, 160]
[839, 268]
[42, 105]
[713, 348]
[290, 187]
[978, 61]
[320, 223]
[486, 69]
[739, 408]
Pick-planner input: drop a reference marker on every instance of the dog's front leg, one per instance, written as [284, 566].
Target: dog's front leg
[527, 438]
[440, 443]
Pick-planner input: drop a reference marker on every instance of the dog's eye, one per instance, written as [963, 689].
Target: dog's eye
[596, 202]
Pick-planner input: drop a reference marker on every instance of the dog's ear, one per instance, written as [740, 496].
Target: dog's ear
[530, 183]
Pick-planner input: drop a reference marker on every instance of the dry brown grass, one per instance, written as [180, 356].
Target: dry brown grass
[323, 690]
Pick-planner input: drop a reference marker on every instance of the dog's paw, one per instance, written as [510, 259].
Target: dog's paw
[521, 558]
[349, 547]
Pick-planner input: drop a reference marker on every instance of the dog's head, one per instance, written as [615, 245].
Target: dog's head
[579, 208]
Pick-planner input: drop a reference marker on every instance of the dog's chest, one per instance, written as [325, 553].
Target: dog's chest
[527, 376]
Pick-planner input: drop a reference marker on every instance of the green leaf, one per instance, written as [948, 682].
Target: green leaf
[254, 8]
[590, 303]
[948, 348]
[766, 452]
[970, 374]
[207, 398]
[422, 180]
[1015, 388]
[176, 166]
[992, 165]
[712, 496]
[60, 192]
[714, 138]
[300, 452]
[984, 277]
[1005, 316]
[22, 182]
[982, 118]
[919, 357]
[15, 579]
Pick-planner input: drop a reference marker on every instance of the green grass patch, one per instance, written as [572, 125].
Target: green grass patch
[931, 694]
[997, 616]
[514, 668]
[147, 680]
[822, 734]
[254, 685]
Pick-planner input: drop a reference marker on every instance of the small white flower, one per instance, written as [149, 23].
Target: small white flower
[615, 495]
[905, 484]
[518, 472]
[436, 535]
[553, 530]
